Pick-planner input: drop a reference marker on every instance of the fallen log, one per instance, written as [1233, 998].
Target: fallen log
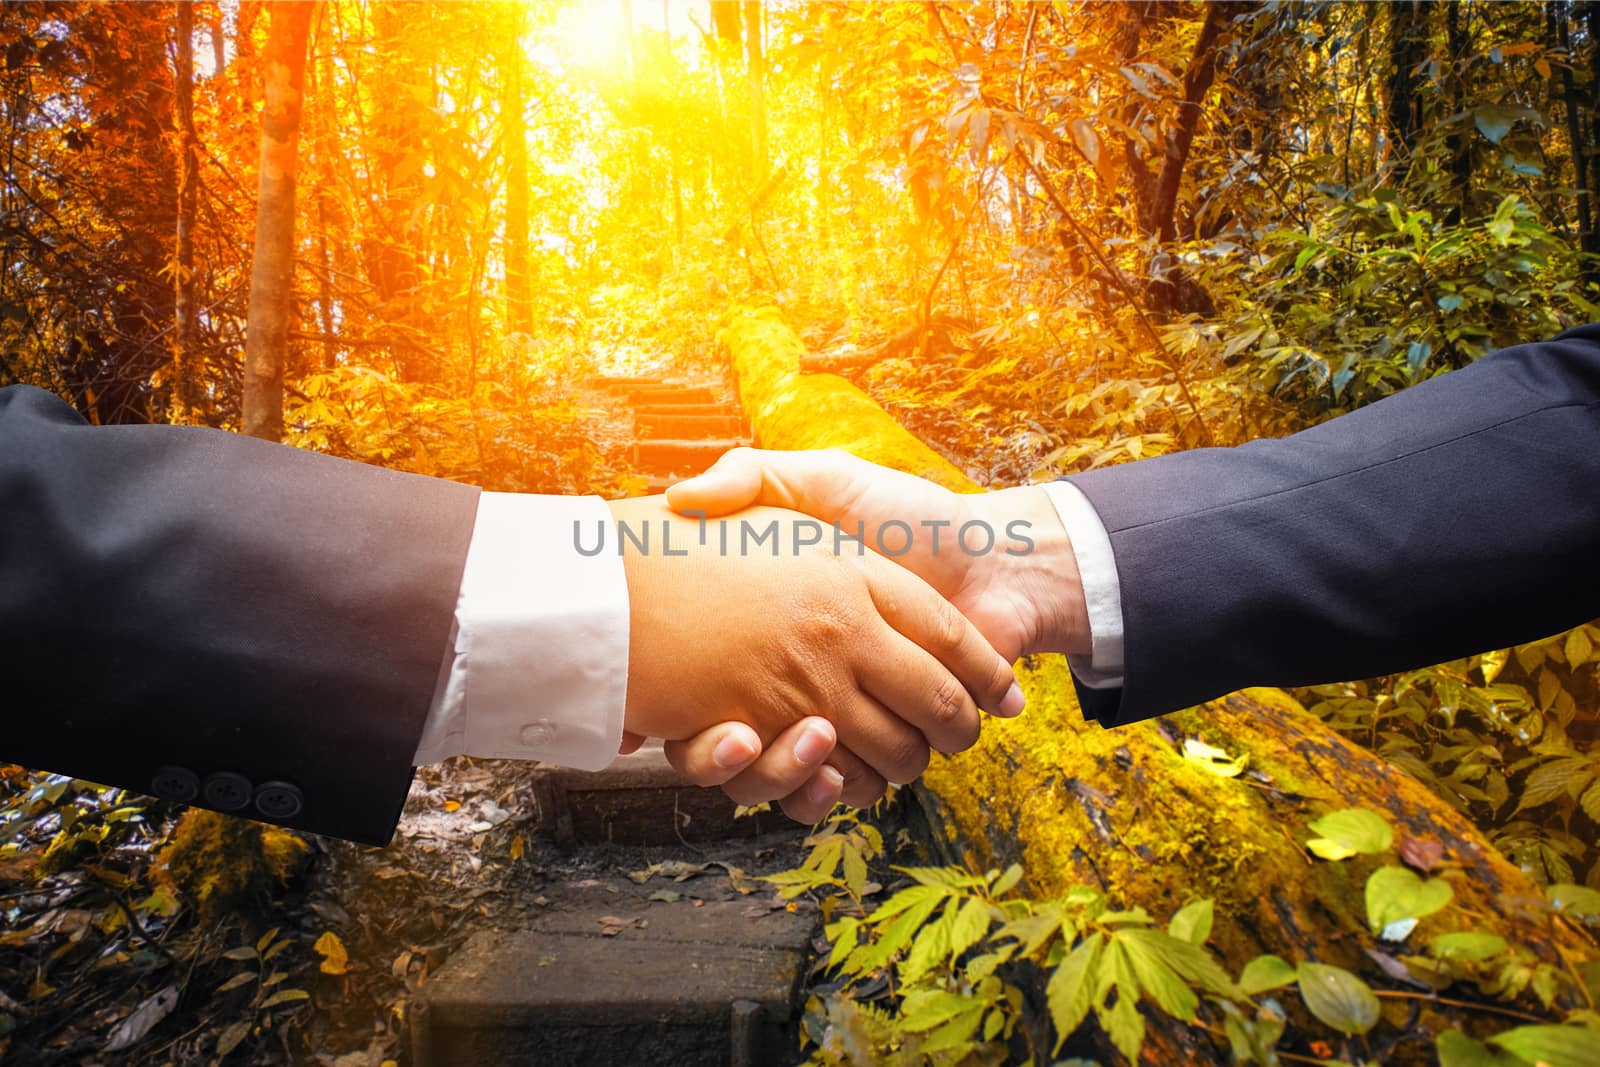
[1127, 812]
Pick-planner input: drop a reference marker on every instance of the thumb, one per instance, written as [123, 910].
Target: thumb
[731, 483]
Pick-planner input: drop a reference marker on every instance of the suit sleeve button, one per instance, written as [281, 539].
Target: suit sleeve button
[177, 784]
[279, 800]
[227, 791]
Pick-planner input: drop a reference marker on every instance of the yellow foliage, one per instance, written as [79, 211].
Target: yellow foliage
[218, 862]
[335, 960]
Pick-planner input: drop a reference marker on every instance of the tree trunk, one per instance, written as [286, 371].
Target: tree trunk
[519, 282]
[756, 61]
[272, 272]
[1457, 42]
[185, 333]
[1123, 810]
[1408, 47]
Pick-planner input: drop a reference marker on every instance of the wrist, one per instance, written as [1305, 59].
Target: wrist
[1039, 571]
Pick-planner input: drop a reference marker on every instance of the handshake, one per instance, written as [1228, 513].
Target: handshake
[850, 619]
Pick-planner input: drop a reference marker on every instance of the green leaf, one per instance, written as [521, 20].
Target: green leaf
[956, 1033]
[1124, 1025]
[930, 947]
[1494, 121]
[1070, 990]
[1192, 923]
[1576, 899]
[1156, 979]
[897, 935]
[855, 872]
[1555, 1046]
[1467, 945]
[1396, 893]
[1007, 881]
[1350, 831]
[981, 967]
[242, 978]
[1456, 1049]
[1266, 972]
[843, 935]
[1558, 778]
[1191, 962]
[904, 899]
[1590, 801]
[1338, 998]
[1578, 648]
[971, 923]
[285, 996]
[925, 1009]
[243, 952]
[1322, 848]
[229, 1039]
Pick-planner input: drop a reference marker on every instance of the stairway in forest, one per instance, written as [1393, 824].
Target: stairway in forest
[679, 429]
[616, 969]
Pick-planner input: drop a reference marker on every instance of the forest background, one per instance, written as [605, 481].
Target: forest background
[1046, 237]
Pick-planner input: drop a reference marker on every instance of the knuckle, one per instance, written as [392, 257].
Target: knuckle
[908, 760]
[949, 625]
[947, 704]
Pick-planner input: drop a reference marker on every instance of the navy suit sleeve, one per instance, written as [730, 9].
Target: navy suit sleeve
[1458, 516]
[194, 613]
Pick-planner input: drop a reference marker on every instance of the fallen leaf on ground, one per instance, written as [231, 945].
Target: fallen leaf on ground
[151, 1010]
[335, 960]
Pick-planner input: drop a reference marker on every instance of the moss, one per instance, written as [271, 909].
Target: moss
[218, 862]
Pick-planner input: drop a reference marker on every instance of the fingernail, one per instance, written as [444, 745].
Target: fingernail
[732, 751]
[813, 746]
[1013, 703]
[825, 787]
[698, 482]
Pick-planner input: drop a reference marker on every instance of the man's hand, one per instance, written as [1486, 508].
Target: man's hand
[1022, 591]
[765, 633]
[1002, 558]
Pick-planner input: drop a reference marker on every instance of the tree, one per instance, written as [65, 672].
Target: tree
[272, 275]
[185, 334]
[513, 101]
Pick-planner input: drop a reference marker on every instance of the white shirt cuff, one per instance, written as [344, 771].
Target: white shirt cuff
[1102, 593]
[537, 666]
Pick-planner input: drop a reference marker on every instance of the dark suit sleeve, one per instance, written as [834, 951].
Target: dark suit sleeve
[1458, 516]
[193, 613]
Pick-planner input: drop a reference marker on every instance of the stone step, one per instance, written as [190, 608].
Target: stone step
[688, 427]
[617, 382]
[671, 394]
[723, 408]
[638, 800]
[674, 985]
[664, 456]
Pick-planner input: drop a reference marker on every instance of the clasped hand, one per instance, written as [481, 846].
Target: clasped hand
[808, 675]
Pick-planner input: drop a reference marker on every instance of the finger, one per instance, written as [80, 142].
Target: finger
[715, 754]
[788, 763]
[811, 803]
[821, 482]
[863, 786]
[949, 672]
[885, 742]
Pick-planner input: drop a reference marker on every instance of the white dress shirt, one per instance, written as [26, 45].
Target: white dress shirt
[537, 666]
